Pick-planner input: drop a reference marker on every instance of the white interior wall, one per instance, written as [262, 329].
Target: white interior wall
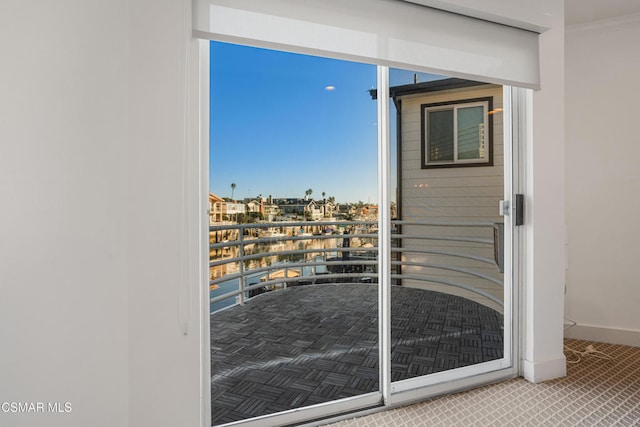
[603, 180]
[90, 227]
[63, 220]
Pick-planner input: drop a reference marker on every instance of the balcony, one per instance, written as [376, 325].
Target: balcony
[294, 309]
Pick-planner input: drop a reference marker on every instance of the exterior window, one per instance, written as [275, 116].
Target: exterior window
[457, 133]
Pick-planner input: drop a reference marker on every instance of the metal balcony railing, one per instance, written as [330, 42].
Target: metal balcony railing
[249, 259]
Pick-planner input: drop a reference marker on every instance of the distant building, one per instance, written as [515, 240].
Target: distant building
[255, 206]
[230, 209]
[327, 208]
[295, 208]
[298, 208]
[215, 209]
[221, 210]
[271, 211]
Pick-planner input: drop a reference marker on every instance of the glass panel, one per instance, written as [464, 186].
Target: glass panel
[447, 298]
[440, 135]
[293, 253]
[470, 132]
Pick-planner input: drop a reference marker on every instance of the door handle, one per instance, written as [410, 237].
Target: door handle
[505, 209]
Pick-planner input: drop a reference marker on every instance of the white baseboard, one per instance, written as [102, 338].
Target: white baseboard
[544, 371]
[608, 335]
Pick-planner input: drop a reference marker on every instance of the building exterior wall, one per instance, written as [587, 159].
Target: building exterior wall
[454, 194]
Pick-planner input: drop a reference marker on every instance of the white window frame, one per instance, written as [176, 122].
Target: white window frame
[486, 160]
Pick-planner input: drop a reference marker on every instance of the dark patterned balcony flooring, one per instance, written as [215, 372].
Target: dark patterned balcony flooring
[312, 344]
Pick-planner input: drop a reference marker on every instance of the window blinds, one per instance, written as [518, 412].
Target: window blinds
[385, 32]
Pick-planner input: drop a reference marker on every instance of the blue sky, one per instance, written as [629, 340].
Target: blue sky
[282, 123]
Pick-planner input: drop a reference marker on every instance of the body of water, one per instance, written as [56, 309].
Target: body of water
[272, 257]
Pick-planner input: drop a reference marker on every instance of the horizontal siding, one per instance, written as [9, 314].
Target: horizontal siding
[448, 192]
[464, 194]
[466, 248]
[455, 180]
[425, 210]
[456, 201]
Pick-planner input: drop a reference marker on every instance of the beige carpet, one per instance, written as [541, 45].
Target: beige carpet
[595, 392]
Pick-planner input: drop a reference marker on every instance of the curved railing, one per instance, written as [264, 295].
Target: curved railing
[249, 259]
[472, 244]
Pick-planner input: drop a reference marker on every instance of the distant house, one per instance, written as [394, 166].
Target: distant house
[218, 216]
[341, 211]
[231, 209]
[450, 166]
[326, 208]
[292, 208]
[315, 212]
[222, 211]
[255, 206]
[271, 211]
[215, 209]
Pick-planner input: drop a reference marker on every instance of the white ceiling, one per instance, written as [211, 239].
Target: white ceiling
[583, 11]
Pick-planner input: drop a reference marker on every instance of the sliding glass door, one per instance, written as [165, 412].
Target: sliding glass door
[357, 255]
[451, 302]
[293, 236]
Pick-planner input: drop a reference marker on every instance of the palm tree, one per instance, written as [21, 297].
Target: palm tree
[233, 188]
[308, 192]
[323, 194]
